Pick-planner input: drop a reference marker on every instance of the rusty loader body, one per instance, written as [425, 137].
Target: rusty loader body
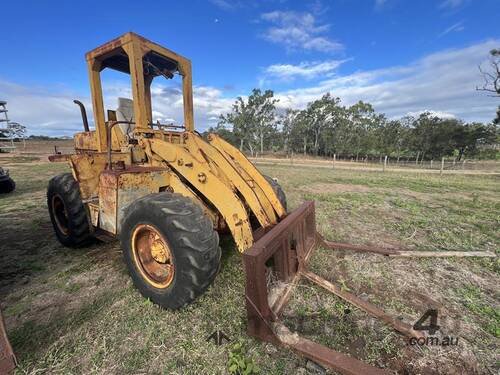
[162, 189]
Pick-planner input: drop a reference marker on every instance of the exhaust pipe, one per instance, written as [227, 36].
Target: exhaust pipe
[84, 114]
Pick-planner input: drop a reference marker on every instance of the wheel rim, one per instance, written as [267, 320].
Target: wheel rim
[60, 214]
[152, 256]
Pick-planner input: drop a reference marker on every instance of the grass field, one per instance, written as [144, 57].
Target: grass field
[76, 311]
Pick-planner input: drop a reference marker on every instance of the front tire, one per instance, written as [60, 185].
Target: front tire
[278, 191]
[67, 212]
[170, 248]
[7, 185]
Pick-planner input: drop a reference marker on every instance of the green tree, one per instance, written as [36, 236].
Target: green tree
[496, 120]
[363, 124]
[287, 121]
[262, 106]
[241, 120]
[468, 137]
[300, 131]
[253, 120]
[433, 136]
[320, 114]
[391, 137]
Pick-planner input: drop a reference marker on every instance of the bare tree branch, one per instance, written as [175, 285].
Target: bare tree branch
[491, 79]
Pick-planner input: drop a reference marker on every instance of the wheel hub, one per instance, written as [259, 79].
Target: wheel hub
[152, 256]
[158, 251]
[60, 214]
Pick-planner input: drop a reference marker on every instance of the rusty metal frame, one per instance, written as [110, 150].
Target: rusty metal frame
[135, 47]
[289, 246]
[7, 358]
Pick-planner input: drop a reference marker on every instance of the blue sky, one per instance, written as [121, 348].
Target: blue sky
[402, 56]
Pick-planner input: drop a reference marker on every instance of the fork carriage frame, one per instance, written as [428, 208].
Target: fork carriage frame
[289, 246]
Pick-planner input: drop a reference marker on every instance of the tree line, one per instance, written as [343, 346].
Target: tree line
[326, 127]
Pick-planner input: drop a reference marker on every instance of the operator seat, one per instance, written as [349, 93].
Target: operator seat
[125, 112]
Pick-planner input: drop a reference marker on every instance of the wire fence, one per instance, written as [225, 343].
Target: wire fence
[387, 162]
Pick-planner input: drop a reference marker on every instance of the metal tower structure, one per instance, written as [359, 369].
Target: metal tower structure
[6, 136]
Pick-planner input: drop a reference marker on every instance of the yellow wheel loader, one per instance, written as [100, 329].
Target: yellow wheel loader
[162, 189]
[166, 192]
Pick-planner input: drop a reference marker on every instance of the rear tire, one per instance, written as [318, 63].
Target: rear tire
[7, 185]
[67, 212]
[170, 247]
[278, 191]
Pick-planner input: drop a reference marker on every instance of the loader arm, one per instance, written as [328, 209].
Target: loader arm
[209, 185]
[255, 198]
[236, 158]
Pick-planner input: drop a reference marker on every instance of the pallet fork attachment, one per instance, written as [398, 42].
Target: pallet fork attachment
[288, 247]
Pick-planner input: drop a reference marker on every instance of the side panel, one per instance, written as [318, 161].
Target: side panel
[118, 189]
[108, 197]
[87, 167]
[85, 141]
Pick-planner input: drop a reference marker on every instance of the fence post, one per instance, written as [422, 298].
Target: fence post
[463, 165]
[385, 164]
[454, 161]
[291, 158]
[431, 163]
[442, 166]
[334, 159]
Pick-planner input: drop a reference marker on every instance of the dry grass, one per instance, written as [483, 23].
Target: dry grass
[76, 311]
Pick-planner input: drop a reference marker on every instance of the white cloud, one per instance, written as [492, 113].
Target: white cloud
[457, 27]
[440, 114]
[298, 31]
[225, 4]
[53, 112]
[442, 82]
[307, 70]
[451, 4]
